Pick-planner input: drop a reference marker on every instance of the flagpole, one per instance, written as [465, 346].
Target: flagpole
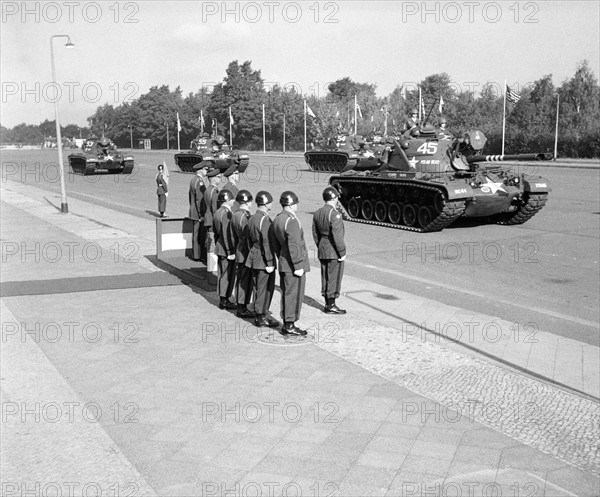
[504, 118]
[420, 105]
[201, 122]
[264, 132]
[230, 130]
[178, 128]
[305, 126]
[284, 132]
[556, 130]
[355, 118]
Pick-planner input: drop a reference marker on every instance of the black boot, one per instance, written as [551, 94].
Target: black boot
[264, 320]
[225, 303]
[331, 308]
[243, 312]
[289, 328]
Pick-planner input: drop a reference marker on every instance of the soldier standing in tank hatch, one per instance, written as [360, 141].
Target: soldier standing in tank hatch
[443, 132]
[328, 233]
[243, 274]
[209, 202]
[195, 195]
[290, 247]
[261, 260]
[412, 121]
[225, 249]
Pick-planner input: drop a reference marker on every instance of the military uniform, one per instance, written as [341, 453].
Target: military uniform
[260, 256]
[195, 196]
[161, 190]
[243, 282]
[290, 247]
[209, 208]
[224, 247]
[328, 233]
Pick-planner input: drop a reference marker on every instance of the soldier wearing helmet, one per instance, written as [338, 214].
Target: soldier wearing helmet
[261, 260]
[412, 121]
[290, 247]
[243, 274]
[225, 249]
[443, 132]
[328, 233]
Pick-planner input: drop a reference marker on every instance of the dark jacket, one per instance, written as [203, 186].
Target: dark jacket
[289, 244]
[328, 233]
[161, 185]
[209, 204]
[195, 195]
[261, 254]
[239, 222]
[224, 237]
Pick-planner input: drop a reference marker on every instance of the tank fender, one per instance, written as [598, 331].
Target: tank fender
[457, 190]
[536, 185]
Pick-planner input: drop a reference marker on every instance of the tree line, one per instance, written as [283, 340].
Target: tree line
[530, 122]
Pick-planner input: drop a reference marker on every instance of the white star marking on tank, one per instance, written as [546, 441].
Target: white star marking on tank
[494, 187]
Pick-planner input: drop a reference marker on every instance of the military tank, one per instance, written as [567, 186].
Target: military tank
[204, 147]
[427, 181]
[343, 151]
[98, 156]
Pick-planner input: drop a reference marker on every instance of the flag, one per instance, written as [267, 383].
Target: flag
[358, 110]
[371, 118]
[165, 172]
[441, 106]
[310, 112]
[231, 117]
[512, 96]
[337, 114]
[178, 124]
[201, 118]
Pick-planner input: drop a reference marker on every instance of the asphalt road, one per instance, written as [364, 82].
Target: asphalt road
[543, 274]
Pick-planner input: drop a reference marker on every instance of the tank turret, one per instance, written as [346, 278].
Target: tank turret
[426, 181]
[215, 148]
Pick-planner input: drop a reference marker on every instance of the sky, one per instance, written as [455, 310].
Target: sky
[124, 48]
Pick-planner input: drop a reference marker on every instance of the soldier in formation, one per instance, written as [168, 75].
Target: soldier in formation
[233, 176]
[328, 234]
[293, 264]
[195, 197]
[225, 249]
[209, 209]
[243, 274]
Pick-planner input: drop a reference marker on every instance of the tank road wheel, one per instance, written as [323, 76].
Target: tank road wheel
[439, 202]
[354, 207]
[395, 213]
[409, 215]
[381, 211]
[367, 209]
[424, 216]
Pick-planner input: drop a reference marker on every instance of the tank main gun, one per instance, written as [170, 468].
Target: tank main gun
[515, 157]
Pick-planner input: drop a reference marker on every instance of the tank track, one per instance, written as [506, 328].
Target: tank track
[327, 162]
[451, 211]
[526, 211]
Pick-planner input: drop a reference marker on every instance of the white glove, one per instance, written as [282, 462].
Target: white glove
[299, 272]
[343, 258]
[270, 269]
[166, 194]
[231, 257]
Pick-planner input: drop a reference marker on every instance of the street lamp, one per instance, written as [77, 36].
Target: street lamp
[64, 207]
[556, 129]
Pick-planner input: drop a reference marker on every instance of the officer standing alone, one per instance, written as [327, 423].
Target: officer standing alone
[290, 247]
[328, 233]
[162, 190]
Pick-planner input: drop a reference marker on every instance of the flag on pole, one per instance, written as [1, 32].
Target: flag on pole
[441, 106]
[512, 96]
[201, 118]
[165, 172]
[231, 121]
[310, 112]
[178, 124]
[372, 117]
[358, 110]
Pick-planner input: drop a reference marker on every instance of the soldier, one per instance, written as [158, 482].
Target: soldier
[328, 233]
[233, 177]
[162, 190]
[290, 247]
[261, 260]
[443, 131]
[195, 196]
[412, 121]
[209, 206]
[243, 280]
[225, 249]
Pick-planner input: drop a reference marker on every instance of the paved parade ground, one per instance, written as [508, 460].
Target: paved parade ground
[468, 362]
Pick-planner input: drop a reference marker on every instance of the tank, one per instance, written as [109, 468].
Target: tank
[427, 180]
[98, 156]
[341, 152]
[215, 148]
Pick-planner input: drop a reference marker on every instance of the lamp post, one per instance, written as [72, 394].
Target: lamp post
[556, 129]
[64, 207]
